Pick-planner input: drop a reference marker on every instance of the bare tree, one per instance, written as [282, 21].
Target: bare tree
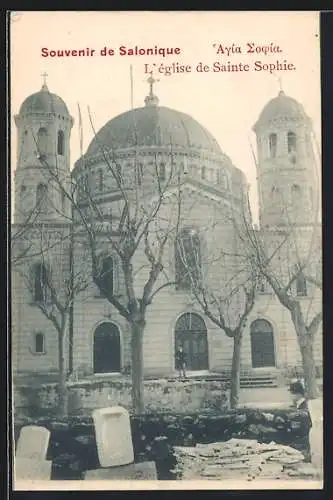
[146, 210]
[228, 301]
[53, 281]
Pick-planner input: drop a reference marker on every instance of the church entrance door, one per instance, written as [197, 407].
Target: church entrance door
[191, 335]
[107, 348]
[262, 344]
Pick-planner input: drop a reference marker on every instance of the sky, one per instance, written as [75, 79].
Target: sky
[226, 103]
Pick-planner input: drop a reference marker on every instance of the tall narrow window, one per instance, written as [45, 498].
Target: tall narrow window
[218, 176]
[203, 173]
[139, 173]
[272, 145]
[100, 181]
[291, 142]
[41, 196]
[106, 276]
[187, 259]
[39, 346]
[42, 139]
[295, 194]
[161, 172]
[40, 283]
[301, 288]
[119, 171]
[61, 143]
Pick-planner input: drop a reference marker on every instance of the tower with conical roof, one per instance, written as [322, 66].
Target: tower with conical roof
[43, 152]
[286, 167]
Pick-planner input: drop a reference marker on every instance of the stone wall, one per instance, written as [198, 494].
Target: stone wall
[162, 395]
[73, 449]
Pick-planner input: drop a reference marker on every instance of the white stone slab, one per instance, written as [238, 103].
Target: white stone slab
[316, 438]
[142, 471]
[33, 442]
[30, 468]
[113, 436]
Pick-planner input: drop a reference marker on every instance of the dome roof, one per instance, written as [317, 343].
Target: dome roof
[281, 106]
[153, 126]
[44, 102]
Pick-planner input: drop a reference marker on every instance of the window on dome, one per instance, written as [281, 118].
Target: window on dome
[61, 143]
[100, 180]
[291, 142]
[161, 172]
[272, 145]
[187, 259]
[42, 139]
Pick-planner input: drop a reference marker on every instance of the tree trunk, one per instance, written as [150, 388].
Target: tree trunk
[235, 370]
[137, 368]
[62, 386]
[309, 368]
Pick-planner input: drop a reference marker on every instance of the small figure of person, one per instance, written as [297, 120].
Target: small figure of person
[300, 403]
[181, 362]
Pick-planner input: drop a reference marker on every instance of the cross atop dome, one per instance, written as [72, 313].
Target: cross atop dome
[44, 86]
[151, 99]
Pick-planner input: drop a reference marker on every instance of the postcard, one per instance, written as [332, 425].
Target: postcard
[166, 324]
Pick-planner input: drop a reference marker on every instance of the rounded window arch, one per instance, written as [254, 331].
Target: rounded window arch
[191, 335]
[272, 140]
[41, 277]
[61, 143]
[42, 141]
[292, 142]
[106, 349]
[262, 344]
[187, 259]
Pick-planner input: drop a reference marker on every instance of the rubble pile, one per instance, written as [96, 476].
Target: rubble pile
[244, 459]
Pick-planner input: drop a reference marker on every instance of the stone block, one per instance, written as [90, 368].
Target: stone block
[141, 471]
[33, 442]
[30, 468]
[113, 436]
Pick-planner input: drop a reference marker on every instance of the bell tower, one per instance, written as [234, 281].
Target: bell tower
[286, 166]
[43, 158]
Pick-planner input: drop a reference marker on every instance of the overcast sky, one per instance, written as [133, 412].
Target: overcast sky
[227, 104]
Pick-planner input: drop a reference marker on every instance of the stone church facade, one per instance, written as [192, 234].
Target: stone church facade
[213, 194]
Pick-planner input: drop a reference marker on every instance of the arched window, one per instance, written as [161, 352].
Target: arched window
[203, 173]
[106, 349]
[41, 196]
[272, 145]
[42, 139]
[40, 283]
[61, 143]
[39, 346]
[23, 189]
[187, 259]
[301, 288]
[191, 335]
[291, 139]
[139, 173]
[218, 176]
[106, 276]
[161, 172]
[262, 344]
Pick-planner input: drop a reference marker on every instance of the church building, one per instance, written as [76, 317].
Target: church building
[214, 192]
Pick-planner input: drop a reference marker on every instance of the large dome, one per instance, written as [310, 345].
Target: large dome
[44, 102]
[153, 126]
[281, 106]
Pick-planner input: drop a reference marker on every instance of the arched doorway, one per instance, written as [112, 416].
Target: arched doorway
[191, 335]
[262, 344]
[107, 348]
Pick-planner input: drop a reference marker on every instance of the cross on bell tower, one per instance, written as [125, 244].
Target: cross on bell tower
[151, 99]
